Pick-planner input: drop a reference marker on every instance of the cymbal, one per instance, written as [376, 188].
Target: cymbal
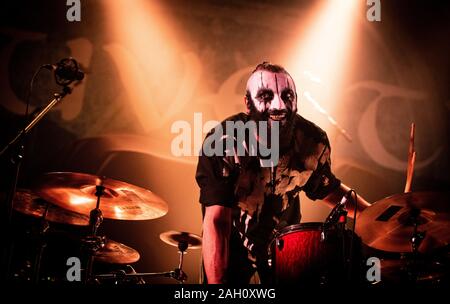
[116, 253]
[28, 203]
[121, 201]
[174, 238]
[388, 224]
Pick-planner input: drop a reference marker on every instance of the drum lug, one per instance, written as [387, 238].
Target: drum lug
[280, 243]
[323, 236]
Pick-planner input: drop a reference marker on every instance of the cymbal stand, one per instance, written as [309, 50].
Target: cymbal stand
[179, 274]
[416, 239]
[41, 245]
[417, 236]
[92, 241]
[121, 276]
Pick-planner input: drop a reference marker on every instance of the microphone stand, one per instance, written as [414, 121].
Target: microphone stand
[342, 220]
[57, 98]
[16, 145]
[338, 219]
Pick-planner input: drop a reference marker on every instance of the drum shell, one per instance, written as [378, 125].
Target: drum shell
[309, 255]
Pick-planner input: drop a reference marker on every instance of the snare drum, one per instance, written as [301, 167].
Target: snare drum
[307, 254]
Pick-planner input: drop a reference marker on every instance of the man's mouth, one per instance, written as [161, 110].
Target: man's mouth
[278, 117]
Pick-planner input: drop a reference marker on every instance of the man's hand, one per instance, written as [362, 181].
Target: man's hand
[334, 197]
[216, 237]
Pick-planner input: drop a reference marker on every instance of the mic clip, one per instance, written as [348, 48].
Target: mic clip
[339, 213]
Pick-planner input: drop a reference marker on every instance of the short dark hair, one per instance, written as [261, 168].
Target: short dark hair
[267, 66]
[270, 67]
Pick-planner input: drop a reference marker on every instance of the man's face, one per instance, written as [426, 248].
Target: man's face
[273, 97]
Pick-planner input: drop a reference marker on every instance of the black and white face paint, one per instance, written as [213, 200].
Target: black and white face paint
[272, 97]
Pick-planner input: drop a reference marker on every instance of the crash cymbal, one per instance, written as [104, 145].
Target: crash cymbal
[389, 223]
[175, 238]
[28, 203]
[116, 253]
[122, 201]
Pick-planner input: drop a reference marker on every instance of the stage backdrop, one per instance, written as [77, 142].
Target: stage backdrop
[151, 64]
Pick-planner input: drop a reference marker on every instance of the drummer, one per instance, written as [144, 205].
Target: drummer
[244, 200]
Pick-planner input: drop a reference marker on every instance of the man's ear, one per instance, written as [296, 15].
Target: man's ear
[247, 104]
[295, 107]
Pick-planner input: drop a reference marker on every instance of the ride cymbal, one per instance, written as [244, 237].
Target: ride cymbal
[389, 223]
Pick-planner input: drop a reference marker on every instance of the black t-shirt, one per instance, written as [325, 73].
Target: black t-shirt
[241, 183]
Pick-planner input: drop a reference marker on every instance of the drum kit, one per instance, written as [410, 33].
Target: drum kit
[408, 233]
[83, 200]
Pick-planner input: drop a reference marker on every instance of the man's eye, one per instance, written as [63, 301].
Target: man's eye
[288, 96]
[265, 96]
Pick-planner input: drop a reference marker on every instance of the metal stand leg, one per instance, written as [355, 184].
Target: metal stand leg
[15, 161]
[41, 245]
[416, 239]
[93, 242]
[179, 274]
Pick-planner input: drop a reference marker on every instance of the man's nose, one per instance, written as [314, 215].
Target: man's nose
[277, 103]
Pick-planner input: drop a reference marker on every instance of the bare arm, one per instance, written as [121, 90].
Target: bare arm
[334, 197]
[216, 236]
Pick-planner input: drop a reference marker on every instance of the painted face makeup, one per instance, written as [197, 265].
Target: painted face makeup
[272, 96]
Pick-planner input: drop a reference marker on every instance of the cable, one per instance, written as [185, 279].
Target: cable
[31, 90]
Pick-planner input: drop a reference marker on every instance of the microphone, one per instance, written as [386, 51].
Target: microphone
[66, 71]
[334, 214]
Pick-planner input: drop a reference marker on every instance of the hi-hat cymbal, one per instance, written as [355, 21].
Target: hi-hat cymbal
[28, 203]
[116, 253]
[122, 201]
[389, 223]
[175, 238]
